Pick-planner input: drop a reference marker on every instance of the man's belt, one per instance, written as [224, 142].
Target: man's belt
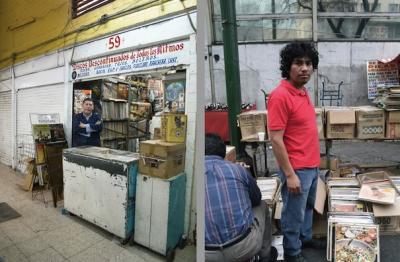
[229, 244]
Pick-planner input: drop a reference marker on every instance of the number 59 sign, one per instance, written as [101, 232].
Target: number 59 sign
[114, 42]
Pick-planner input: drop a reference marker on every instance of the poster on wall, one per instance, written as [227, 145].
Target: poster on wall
[48, 133]
[79, 96]
[381, 75]
[175, 96]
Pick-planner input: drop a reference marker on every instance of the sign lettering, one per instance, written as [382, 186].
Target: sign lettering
[165, 55]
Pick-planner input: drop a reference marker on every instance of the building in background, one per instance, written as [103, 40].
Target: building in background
[50, 47]
[348, 33]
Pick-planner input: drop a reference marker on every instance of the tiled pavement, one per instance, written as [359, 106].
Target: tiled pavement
[43, 234]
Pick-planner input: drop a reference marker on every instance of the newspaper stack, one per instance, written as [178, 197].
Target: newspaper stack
[343, 195]
[268, 187]
[388, 98]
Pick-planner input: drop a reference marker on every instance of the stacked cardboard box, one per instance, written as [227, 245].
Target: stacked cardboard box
[393, 124]
[173, 127]
[161, 159]
[165, 158]
[340, 122]
[251, 123]
[370, 122]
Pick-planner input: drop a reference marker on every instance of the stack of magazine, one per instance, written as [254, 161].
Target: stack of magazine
[352, 233]
[352, 237]
[268, 188]
[377, 187]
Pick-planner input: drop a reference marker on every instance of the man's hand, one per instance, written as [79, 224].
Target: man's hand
[293, 184]
[82, 125]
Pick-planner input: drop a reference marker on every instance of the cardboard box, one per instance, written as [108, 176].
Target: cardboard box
[251, 123]
[388, 217]
[319, 114]
[319, 204]
[173, 128]
[340, 122]
[230, 153]
[161, 159]
[333, 163]
[370, 122]
[393, 124]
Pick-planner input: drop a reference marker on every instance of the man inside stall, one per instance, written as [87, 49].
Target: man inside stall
[237, 222]
[86, 126]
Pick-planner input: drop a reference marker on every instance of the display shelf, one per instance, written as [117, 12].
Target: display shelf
[329, 143]
[115, 120]
[114, 138]
[114, 100]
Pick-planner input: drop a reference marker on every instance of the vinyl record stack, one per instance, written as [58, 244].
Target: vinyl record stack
[352, 233]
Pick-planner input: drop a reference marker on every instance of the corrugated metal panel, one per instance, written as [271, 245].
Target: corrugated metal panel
[47, 99]
[5, 128]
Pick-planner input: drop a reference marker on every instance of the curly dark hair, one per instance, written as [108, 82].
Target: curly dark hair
[297, 50]
[214, 145]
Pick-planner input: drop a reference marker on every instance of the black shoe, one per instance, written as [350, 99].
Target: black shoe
[296, 258]
[314, 244]
[273, 256]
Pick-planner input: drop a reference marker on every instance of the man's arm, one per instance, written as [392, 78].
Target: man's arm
[96, 124]
[76, 125]
[279, 149]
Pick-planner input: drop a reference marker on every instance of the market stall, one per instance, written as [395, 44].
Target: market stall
[140, 96]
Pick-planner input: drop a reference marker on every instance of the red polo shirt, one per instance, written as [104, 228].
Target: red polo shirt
[290, 109]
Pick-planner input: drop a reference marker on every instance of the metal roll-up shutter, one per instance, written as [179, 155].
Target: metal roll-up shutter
[5, 128]
[43, 100]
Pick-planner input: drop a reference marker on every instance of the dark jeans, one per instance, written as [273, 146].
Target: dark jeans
[297, 211]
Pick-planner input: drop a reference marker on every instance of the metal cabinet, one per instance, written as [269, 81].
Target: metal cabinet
[160, 210]
[100, 187]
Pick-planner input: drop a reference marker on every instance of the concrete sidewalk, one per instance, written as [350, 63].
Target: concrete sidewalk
[43, 234]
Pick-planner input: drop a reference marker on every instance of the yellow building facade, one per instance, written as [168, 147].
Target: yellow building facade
[30, 29]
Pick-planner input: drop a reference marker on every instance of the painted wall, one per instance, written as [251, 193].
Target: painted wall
[259, 68]
[29, 30]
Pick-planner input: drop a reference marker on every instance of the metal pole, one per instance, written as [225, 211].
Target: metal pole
[232, 72]
[315, 40]
[273, 20]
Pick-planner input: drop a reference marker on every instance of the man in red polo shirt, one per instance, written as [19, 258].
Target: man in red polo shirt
[294, 136]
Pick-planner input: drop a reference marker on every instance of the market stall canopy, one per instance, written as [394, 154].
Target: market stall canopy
[395, 59]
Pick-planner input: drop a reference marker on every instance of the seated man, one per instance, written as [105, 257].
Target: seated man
[237, 222]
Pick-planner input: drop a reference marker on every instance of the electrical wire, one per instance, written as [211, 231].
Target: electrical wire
[188, 15]
[102, 20]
